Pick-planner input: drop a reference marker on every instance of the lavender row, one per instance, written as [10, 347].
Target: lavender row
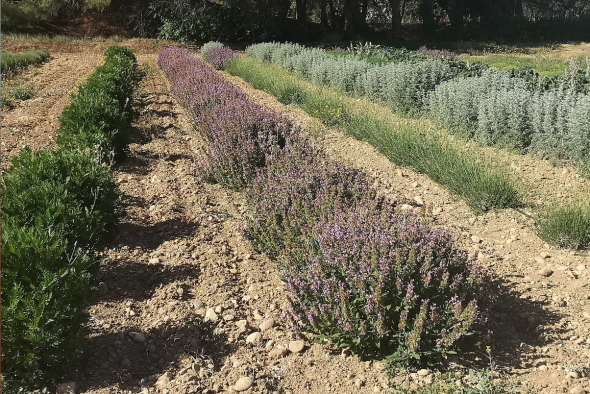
[360, 272]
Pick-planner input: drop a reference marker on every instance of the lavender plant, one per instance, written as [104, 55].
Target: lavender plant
[219, 57]
[208, 46]
[297, 188]
[436, 53]
[241, 138]
[377, 279]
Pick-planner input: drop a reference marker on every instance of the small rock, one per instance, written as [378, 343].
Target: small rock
[476, 239]
[243, 326]
[581, 267]
[359, 383]
[243, 384]
[269, 345]
[540, 260]
[277, 353]
[563, 268]
[67, 388]
[103, 288]
[400, 173]
[126, 362]
[578, 390]
[210, 315]
[218, 309]
[406, 207]
[137, 336]
[546, 271]
[544, 255]
[255, 338]
[154, 260]
[423, 372]
[573, 375]
[228, 317]
[296, 346]
[419, 200]
[414, 184]
[265, 325]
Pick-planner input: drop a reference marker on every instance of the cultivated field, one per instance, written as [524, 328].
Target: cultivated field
[182, 293]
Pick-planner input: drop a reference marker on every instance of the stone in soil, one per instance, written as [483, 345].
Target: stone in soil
[296, 346]
[137, 336]
[243, 384]
[265, 325]
[255, 338]
[546, 271]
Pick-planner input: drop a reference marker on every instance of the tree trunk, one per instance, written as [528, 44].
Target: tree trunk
[301, 10]
[354, 19]
[364, 9]
[396, 16]
[333, 21]
[456, 8]
[324, 13]
[426, 12]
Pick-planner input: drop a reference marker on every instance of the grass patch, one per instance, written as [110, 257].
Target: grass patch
[477, 382]
[18, 89]
[566, 226]
[14, 61]
[482, 185]
[546, 64]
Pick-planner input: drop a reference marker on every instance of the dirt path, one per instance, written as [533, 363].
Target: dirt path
[179, 254]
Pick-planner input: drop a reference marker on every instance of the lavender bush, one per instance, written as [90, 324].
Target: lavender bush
[360, 272]
[300, 186]
[377, 279]
[241, 136]
[219, 57]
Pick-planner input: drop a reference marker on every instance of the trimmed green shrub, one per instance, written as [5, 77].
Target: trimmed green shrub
[101, 112]
[46, 291]
[14, 61]
[61, 191]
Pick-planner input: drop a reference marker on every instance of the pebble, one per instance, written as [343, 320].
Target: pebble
[218, 309]
[540, 260]
[544, 255]
[419, 200]
[67, 388]
[242, 325]
[406, 207]
[137, 336]
[210, 315]
[546, 271]
[265, 325]
[243, 384]
[103, 288]
[296, 346]
[400, 173]
[228, 317]
[277, 353]
[563, 268]
[126, 362]
[573, 375]
[197, 304]
[476, 239]
[581, 267]
[255, 338]
[154, 260]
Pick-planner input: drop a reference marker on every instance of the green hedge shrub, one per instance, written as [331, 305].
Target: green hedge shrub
[100, 113]
[46, 290]
[57, 208]
[61, 191]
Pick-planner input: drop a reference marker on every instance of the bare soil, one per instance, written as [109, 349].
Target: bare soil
[179, 254]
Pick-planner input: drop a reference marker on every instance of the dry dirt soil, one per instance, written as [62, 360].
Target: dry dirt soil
[179, 256]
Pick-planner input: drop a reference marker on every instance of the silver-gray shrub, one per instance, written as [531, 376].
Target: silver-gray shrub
[455, 104]
[561, 124]
[406, 85]
[263, 51]
[504, 118]
[211, 44]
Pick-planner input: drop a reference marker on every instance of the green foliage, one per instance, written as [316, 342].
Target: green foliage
[483, 186]
[100, 113]
[14, 61]
[477, 382]
[22, 12]
[46, 290]
[60, 191]
[16, 90]
[566, 226]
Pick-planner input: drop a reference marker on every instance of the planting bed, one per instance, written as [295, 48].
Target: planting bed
[179, 251]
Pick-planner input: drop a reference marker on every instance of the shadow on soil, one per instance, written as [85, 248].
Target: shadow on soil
[131, 365]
